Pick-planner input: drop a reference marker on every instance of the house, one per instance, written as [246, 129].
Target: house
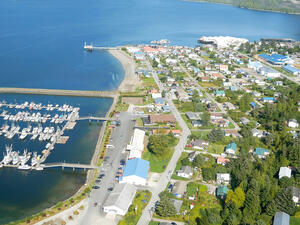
[222, 161]
[222, 191]
[135, 172]
[216, 116]
[257, 133]
[220, 93]
[164, 118]
[223, 178]
[223, 68]
[229, 106]
[159, 101]
[291, 69]
[179, 188]
[231, 148]
[285, 172]
[200, 144]
[261, 153]
[204, 79]
[182, 95]
[296, 194]
[185, 172]
[281, 218]
[192, 155]
[197, 123]
[232, 133]
[244, 120]
[177, 204]
[166, 109]
[293, 123]
[156, 95]
[136, 146]
[253, 105]
[192, 116]
[119, 199]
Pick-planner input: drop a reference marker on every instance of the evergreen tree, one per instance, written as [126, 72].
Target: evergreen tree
[284, 202]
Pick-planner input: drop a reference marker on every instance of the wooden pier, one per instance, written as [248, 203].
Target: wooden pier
[90, 118]
[68, 165]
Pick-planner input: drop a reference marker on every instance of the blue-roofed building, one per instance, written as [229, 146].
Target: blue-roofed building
[281, 218]
[276, 59]
[267, 99]
[166, 108]
[233, 88]
[261, 153]
[136, 172]
[253, 104]
[222, 191]
[220, 93]
[231, 148]
[291, 69]
[255, 65]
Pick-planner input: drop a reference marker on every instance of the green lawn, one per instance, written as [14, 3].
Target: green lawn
[157, 165]
[216, 148]
[294, 220]
[135, 210]
[178, 166]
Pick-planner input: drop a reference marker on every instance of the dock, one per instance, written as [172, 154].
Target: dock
[68, 165]
[91, 47]
[90, 118]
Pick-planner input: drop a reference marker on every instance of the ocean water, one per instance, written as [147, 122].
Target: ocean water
[41, 41]
[23, 193]
[41, 46]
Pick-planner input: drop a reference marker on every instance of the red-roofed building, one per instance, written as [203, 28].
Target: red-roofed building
[150, 49]
[221, 160]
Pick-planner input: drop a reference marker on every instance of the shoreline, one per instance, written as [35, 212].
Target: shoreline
[127, 85]
[263, 10]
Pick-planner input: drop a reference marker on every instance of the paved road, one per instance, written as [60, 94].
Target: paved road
[119, 138]
[236, 126]
[165, 176]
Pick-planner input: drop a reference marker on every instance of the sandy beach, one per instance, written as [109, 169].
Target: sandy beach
[130, 79]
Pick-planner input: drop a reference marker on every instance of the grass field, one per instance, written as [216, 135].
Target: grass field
[216, 148]
[294, 220]
[157, 165]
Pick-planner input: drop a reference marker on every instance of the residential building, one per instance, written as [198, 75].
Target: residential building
[293, 123]
[231, 148]
[223, 178]
[281, 218]
[267, 99]
[261, 153]
[192, 116]
[220, 93]
[197, 123]
[192, 155]
[222, 191]
[285, 172]
[222, 161]
[135, 172]
[185, 172]
[244, 120]
[119, 199]
[179, 188]
[200, 144]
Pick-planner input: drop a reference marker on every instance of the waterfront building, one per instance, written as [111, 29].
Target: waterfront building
[136, 172]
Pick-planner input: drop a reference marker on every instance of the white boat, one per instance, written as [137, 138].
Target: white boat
[35, 159]
[15, 158]
[24, 167]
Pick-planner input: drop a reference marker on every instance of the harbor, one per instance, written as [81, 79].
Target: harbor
[45, 123]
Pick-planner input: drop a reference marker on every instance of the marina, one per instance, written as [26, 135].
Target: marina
[58, 119]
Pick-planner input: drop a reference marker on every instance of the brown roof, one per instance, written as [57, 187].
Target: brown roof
[164, 118]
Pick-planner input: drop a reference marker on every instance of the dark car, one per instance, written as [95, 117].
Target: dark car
[95, 187]
[98, 181]
[110, 189]
[101, 176]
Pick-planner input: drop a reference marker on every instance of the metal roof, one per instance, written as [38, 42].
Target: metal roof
[138, 167]
[281, 218]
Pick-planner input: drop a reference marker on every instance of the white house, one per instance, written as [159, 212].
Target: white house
[285, 172]
[119, 199]
[293, 123]
[185, 171]
[156, 95]
[223, 178]
[135, 172]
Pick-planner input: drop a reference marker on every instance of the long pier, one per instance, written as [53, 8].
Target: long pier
[59, 92]
[91, 47]
[68, 165]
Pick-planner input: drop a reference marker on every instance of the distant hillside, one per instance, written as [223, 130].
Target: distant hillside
[287, 6]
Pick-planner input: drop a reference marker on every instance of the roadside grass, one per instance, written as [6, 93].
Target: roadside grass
[184, 106]
[149, 83]
[153, 223]
[157, 165]
[140, 201]
[187, 121]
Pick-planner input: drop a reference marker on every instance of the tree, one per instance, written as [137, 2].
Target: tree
[284, 202]
[165, 208]
[198, 161]
[185, 162]
[271, 208]
[205, 118]
[158, 145]
[237, 197]
[244, 103]
[215, 135]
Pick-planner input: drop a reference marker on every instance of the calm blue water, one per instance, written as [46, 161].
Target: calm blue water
[41, 40]
[41, 46]
[26, 192]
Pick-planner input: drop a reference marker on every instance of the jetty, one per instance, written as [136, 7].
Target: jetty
[90, 47]
[60, 92]
[91, 118]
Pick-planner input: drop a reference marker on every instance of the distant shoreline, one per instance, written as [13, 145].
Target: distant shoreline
[264, 10]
